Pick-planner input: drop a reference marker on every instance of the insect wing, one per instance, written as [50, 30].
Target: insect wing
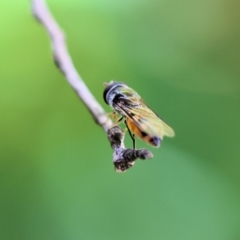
[130, 96]
[147, 121]
[141, 115]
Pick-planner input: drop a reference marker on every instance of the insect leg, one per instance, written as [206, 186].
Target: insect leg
[116, 123]
[131, 135]
[112, 115]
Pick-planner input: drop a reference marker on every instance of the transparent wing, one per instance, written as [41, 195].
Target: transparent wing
[146, 120]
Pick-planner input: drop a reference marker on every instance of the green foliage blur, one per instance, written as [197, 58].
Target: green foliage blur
[56, 176]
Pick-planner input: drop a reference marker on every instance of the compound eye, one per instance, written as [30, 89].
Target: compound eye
[106, 91]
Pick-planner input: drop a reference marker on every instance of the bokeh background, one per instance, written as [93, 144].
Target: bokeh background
[56, 176]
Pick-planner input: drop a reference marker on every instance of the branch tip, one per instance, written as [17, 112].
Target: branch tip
[123, 158]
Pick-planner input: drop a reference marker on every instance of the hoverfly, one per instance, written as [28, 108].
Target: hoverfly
[140, 120]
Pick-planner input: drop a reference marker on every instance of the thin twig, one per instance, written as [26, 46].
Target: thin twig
[122, 158]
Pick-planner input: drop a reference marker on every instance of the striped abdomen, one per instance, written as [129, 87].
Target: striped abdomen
[152, 140]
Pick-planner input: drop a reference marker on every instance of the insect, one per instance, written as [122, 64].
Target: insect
[140, 120]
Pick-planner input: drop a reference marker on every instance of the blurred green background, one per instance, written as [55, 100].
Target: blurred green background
[56, 176]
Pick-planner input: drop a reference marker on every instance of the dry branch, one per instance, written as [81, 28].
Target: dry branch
[122, 158]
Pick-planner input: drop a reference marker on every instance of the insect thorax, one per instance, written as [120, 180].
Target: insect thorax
[114, 98]
[119, 98]
[118, 110]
